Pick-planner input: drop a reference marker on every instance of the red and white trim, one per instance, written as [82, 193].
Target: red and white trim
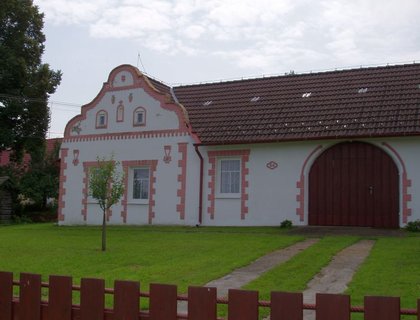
[63, 179]
[139, 81]
[300, 185]
[85, 190]
[212, 155]
[127, 135]
[406, 183]
[182, 179]
[152, 164]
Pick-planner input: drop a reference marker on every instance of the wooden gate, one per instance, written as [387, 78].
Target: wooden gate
[354, 184]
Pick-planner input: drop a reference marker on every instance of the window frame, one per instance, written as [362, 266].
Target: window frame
[137, 111]
[99, 115]
[219, 193]
[130, 190]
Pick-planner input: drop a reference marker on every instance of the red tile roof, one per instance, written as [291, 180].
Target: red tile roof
[365, 102]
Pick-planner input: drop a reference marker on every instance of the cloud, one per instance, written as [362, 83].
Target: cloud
[257, 35]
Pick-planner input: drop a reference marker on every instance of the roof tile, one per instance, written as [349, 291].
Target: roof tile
[335, 108]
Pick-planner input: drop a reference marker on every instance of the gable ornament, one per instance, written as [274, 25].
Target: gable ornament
[167, 157]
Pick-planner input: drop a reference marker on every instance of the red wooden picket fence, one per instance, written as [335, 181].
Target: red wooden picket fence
[163, 299]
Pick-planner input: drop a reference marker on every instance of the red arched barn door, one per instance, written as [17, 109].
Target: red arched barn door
[354, 184]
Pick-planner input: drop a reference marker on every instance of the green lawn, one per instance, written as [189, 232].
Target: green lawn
[193, 256]
[392, 269]
[176, 255]
[293, 275]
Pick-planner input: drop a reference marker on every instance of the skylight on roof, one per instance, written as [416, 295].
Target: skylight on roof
[306, 94]
[255, 99]
[207, 103]
[362, 90]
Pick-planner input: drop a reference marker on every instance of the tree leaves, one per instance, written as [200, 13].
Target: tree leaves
[25, 82]
[106, 183]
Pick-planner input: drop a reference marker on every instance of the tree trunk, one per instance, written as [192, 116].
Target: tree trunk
[104, 231]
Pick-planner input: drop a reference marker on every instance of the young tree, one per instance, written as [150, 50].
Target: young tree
[106, 184]
[25, 82]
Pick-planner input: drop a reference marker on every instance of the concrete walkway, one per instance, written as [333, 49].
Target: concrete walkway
[334, 277]
[244, 275]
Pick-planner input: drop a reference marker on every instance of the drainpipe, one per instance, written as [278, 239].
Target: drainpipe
[200, 199]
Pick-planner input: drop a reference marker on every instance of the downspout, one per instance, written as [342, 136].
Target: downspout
[200, 199]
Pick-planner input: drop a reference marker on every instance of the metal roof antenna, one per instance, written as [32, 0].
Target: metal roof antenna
[141, 62]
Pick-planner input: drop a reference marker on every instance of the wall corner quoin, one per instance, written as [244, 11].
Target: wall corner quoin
[62, 181]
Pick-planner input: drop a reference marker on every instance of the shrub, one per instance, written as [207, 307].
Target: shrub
[286, 224]
[413, 226]
[21, 219]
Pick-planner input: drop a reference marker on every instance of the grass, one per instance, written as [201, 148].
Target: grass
[392, 269]
[175, 255]
[293, 275]
[193, 256]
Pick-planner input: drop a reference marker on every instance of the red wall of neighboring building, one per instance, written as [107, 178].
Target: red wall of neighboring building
[5, 155]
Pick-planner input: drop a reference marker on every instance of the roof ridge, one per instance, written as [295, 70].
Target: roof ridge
[292, 73]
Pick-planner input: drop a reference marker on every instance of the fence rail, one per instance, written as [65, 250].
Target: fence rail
[163, 302]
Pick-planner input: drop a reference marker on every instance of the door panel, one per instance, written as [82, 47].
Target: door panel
[354, 184]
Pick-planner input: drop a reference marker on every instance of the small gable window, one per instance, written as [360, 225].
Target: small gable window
[101, 119]
[139, 117]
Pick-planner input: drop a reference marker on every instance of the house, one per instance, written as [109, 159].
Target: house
[330, 148]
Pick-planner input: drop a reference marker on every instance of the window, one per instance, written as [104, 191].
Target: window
[101, 119]
[230, 172]
[139, 117]
[141, 183]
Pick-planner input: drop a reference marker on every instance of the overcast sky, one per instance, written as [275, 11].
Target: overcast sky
[188, 41]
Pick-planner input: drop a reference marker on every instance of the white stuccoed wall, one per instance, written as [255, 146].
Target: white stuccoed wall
[164, 127]
[273, 194]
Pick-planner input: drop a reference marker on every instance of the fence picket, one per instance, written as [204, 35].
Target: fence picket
[92, 299]
[243, 305]
[418, 309]
[285, 305]
[6, 295]
[163, 302]
[382, 308]
[202, 303]
[59, 298]
[332, 306]
[126, 300]
[30, 297]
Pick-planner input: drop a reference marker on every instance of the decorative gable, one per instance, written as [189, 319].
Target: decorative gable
[129, 104]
